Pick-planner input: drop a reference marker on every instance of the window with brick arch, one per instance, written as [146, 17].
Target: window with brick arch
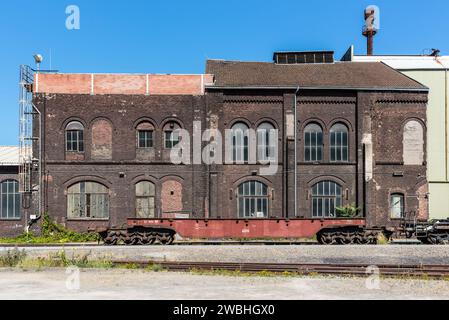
[339, 143]
[171, 136]
[9, 200]
[326, 197]
[413, 143]
[313, 143]
[75, 137]
[240, 143]
[266, 142]
[145, 199]
[87, 200]
[397, 206]
[145, 135]
[252, 200]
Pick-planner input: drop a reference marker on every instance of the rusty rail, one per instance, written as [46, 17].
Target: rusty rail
[434, 271]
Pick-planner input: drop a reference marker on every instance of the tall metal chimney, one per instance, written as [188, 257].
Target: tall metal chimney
[370, 28]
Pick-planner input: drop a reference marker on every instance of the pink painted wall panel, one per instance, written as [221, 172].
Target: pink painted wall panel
[122, 84]
[62, 83]
[119, 84]
[175, 84]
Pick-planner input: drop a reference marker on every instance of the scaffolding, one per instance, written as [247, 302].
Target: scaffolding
[30, 174]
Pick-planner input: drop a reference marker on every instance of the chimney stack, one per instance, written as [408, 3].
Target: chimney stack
[370, 30]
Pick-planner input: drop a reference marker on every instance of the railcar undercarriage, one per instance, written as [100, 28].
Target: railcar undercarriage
[432, 232]
[138, 236]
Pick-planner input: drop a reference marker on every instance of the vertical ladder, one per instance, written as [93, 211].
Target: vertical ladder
[29, 139]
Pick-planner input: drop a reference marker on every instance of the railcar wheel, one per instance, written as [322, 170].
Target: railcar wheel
[326, 238]
[165, 238]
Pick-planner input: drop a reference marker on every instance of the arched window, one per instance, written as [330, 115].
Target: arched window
[266, 142]
[313, 143]
[240, 138]
[9, 200]
[171, 137]
[413, 143]
[75, 137]
[145, 203]
[326, 196]
[339, 143]
[252, 200]
[87, 200]
[145, 135]
[397, 206]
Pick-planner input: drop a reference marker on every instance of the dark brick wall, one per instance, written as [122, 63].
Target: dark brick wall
[9, 228]
[112, 159]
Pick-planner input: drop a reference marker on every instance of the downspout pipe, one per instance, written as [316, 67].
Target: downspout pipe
[295, 104]
[39, 216]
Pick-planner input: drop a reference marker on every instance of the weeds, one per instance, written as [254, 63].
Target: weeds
[382, 240]
[155, 268]
[52, 233]
[12, 258]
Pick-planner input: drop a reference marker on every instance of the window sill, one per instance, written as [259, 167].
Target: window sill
[10, 220]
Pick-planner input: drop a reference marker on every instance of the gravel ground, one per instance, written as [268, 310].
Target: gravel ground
[136, 284]
[388, 254]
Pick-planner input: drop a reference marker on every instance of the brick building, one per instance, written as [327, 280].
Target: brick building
[12, 218]
[359, 131]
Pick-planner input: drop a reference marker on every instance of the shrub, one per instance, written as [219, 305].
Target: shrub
[53, 233]
[348, 211]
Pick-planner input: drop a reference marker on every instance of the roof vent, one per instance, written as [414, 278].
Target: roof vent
[303, 57]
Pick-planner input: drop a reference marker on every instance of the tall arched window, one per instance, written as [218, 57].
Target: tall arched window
[145, 135]
[145, 199]
[413, 143]
[75, 137]
[313, 143]
[326, 196]
[171, 136]
[339, 145]
[397, 206]
[252, 200]
[9, 200]
[266, 142]
[240, 144]
[87, 200]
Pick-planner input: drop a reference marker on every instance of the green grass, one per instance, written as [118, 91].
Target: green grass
[52, 233]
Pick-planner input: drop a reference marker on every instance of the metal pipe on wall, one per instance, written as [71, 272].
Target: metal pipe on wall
[296, 151]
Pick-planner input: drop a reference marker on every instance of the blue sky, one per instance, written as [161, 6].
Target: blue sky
[175, 36]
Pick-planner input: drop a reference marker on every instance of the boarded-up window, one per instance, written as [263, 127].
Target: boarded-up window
[101, 140]
[413, 142]
[145, 195]
[171, 197]
[87, 200]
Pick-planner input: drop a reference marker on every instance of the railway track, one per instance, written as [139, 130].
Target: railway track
[434, 271]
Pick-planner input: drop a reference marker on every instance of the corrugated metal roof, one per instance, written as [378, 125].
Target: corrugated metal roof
[9, 156]
[408, 62]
